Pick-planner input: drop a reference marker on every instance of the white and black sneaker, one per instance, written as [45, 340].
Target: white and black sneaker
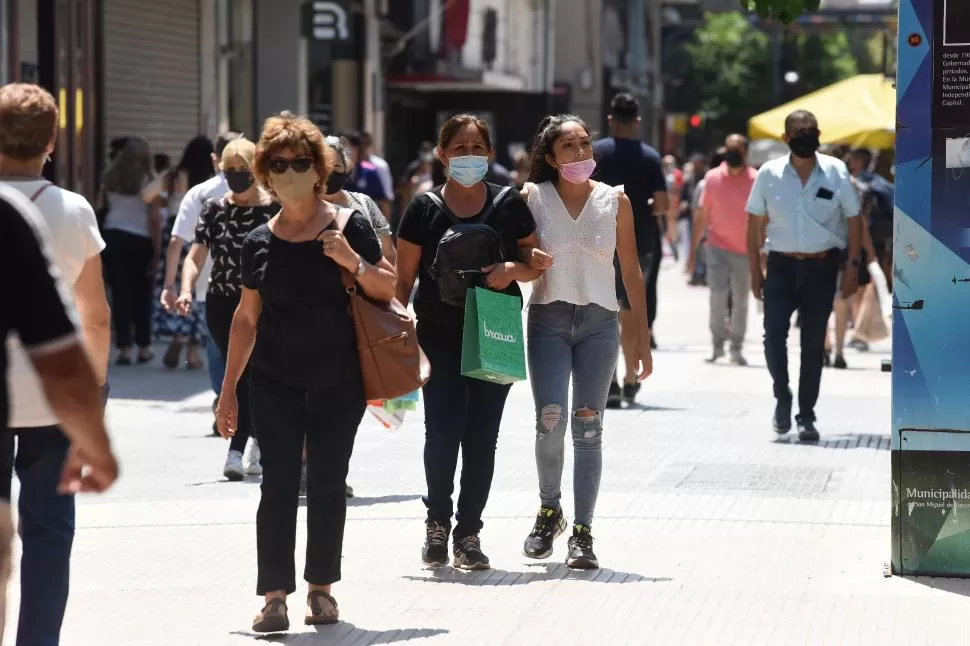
[581, 556]
[469, 555]
[550, 525]
[435, 550]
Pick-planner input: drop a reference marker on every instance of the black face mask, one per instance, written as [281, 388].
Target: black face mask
[804, 145]
[734, 158]
[335, 182]
[239, 181]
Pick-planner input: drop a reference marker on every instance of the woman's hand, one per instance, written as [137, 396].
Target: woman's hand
[183, 304]
[645, 355]
[227, 413]
[500, 275]
[539, 259]
[167, 298]
[336, 247]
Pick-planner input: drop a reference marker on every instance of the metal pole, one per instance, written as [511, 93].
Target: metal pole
[373, 87]
[776, 65]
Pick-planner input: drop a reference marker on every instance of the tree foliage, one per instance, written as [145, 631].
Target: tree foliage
[730, 67]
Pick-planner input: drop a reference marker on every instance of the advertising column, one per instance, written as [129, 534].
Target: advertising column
[931, 271]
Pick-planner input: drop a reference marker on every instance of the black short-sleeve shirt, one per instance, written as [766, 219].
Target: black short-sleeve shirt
[34, 304]
[305, 335]
[424, 224]
[639, 169]
[222, 228]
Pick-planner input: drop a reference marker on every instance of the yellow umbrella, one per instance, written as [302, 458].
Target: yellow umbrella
[859, 111]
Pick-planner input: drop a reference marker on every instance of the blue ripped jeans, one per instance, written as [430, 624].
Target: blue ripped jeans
[578, 341]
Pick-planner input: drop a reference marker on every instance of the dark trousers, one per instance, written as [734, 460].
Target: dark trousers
[808, 287]
[126, 261]
[327, 418]
[46, 529]
[658, 255]
[218, 317]
[460, 413]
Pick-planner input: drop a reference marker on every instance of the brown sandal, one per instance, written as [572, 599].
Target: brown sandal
[272, 618]
[321, 609]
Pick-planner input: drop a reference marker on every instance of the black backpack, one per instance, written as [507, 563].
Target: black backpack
[463, 250]
[877, 200]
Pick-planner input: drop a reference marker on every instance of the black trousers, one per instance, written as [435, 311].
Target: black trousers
[460, 413]
[327, 419]
[126, 261]
[218, 316]
[658, 256]
[808, 287]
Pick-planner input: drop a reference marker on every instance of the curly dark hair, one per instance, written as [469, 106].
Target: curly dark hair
[546, 135]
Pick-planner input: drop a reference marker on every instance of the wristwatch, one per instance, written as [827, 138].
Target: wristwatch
[360, 268]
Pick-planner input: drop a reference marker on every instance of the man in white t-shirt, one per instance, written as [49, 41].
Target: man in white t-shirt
[28, 130]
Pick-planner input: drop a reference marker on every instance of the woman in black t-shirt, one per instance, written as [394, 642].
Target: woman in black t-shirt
[305, 383]
[459, 412]
[223, 225]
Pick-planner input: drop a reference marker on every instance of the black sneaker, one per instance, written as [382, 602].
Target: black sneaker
[615, 397]
[826, 360]
[781, 422]
[435, 550]
[550, 525]
[630, 392]
[581, 555]
[807, 431]
[839, 362]
[469, 555]
[653, 341]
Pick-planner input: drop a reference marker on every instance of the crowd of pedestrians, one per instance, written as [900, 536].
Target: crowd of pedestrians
[240, 256]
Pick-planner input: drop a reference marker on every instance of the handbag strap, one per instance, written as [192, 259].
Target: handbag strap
[489, 207]
[340, 222]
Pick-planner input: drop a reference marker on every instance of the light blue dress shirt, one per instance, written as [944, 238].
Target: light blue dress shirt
[800, 220]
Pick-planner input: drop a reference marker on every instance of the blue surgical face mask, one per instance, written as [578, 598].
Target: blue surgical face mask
[468, 170]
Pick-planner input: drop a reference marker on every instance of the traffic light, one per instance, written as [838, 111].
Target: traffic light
[696, 121]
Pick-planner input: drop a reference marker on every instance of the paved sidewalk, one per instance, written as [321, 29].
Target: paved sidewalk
[709, 530]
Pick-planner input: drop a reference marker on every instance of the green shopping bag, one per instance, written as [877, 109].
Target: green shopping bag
[493, 347]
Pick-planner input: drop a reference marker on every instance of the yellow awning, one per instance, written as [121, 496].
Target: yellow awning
[859, 111]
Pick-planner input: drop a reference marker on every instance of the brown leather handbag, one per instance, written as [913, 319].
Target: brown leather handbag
[391, 361]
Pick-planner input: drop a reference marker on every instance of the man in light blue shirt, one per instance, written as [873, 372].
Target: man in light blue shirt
[804, 210]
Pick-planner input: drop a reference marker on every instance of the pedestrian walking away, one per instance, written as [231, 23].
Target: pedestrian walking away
[293, 320]
[222, 227]
[804, 208]
[182, 233]
[462, 414]
[623, 160]
[572, 324]
[723, 219]
[133, 237]
[197, 165]
[35, 445]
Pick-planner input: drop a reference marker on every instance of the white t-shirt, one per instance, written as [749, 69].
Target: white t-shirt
[384, 172]
[74, 240]
[188, 216]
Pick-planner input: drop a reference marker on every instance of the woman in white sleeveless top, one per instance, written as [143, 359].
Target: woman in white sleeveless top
[572, 324]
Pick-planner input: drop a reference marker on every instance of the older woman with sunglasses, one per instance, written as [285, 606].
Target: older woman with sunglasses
[294, 330]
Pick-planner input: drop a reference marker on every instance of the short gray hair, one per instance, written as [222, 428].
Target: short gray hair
[342, 147]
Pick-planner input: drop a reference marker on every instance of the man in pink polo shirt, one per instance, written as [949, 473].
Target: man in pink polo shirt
[722, 214]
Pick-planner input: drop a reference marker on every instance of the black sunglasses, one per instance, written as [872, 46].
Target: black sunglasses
[279, 165]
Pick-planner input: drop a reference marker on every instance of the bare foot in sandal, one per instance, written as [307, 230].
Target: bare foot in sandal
[321, 608]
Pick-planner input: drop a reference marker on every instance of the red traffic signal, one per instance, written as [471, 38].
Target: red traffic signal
[696, 121]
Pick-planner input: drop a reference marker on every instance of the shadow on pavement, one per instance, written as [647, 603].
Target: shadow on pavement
[154, 383]
[648, 408]
[949, 584]
[367, 501]
[344, 633]
[842, 441]
[536, 573]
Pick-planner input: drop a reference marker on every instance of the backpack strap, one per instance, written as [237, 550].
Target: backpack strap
[40, 191]
[340, 223]
[489, 207]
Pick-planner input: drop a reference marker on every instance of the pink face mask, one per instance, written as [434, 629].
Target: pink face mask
[578, 172]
